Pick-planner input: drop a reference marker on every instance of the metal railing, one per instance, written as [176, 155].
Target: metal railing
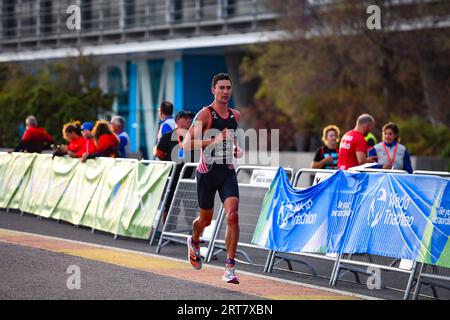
[361, 263]
[40, 21]
[296, 256]
[251, 198]
[183, 210]
[437, 277]
[170, 181]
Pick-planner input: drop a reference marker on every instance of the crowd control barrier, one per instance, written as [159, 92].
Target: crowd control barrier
[254, 182]
[162, 204]
[317, 175]
[366, 263]
[184, 210]
[430, 275]
[118, 196]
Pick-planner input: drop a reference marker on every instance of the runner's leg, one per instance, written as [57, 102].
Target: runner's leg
[231, 206]
[229, 194]
[199, 224]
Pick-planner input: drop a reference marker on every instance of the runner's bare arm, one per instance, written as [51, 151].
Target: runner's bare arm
[238, 151]
[194, 137]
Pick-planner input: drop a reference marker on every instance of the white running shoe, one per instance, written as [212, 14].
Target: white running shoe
[230, 276]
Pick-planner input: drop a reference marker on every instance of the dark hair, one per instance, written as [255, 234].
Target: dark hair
[184, 114]
[166, 108]
[74, 126]
[101, 127]
[394, 128]
[219, 77]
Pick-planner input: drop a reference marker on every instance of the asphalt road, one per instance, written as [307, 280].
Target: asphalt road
[39, 274]
[27, 273]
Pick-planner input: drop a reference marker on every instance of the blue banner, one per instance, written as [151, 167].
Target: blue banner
[394, 215]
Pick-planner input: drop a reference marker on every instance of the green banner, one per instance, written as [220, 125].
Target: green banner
[77, 196]
[110, 199]
[15, 178]
[116, 196]
[141, 212]
[37, 184]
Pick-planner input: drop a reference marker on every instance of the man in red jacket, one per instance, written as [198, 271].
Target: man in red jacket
[35, 139]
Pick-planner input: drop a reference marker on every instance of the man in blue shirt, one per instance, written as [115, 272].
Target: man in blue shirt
[167, 123]
[118, 125]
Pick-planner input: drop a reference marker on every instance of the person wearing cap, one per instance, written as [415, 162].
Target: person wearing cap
[169, 148]
[86, 131]
[106, 142]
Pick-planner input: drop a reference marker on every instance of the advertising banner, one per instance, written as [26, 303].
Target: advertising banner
[120, 197]
[399, 216]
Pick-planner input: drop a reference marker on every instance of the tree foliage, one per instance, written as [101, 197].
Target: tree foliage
[55, 94]
[330, 68]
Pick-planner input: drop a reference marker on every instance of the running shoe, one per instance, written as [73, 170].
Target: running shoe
[194, 254]
[230, 276]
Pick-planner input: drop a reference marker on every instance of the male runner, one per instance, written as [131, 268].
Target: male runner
[212, 132]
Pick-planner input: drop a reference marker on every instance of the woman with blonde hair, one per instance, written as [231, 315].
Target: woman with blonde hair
[326, 157]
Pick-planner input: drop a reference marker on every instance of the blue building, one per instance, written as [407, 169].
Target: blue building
[148, 50]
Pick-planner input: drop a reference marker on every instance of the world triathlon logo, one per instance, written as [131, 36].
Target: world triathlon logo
[391, 210]
[292, 214]
[377, 208]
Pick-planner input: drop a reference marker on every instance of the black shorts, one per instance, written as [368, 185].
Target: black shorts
[219, 178]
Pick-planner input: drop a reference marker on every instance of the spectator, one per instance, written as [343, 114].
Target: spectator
[106, 142]
[390, 153]
[169, 148]
[86, 131]
[327, 156]
[118, 127]
[167, 123]
[371, 141]
[353, 147]
[76, 143]
[35, 139]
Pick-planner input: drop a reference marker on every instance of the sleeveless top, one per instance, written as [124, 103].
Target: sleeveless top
[223, 154]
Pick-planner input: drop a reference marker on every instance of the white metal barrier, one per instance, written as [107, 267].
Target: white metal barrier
[365, 263]
[437, 276]
[184, 210]
[254, 182]
[170, 181]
